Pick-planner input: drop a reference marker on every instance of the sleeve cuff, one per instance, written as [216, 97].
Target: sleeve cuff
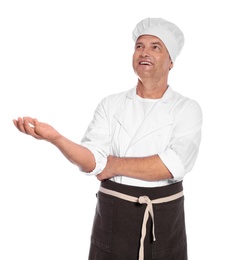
[100, 160]
[173, 163]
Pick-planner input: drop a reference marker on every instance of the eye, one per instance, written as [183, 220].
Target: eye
[138, 46]
[156, 47]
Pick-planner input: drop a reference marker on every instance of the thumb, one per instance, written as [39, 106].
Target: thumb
[35, 121]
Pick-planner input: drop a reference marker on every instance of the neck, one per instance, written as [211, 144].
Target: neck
[151, 89]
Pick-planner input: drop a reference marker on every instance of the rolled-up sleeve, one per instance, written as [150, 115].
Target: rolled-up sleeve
[97, 138]
[182, 150]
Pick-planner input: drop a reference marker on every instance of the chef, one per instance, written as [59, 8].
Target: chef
[140, 144]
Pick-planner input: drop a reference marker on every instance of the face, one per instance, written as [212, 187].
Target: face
[151, 58]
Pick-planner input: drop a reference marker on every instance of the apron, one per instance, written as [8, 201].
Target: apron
[136, 223]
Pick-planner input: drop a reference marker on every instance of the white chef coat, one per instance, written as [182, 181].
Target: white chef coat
[170, 128]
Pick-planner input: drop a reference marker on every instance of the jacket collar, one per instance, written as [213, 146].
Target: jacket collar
[165, 98]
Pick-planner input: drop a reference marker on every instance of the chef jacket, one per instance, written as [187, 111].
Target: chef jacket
[124, 126]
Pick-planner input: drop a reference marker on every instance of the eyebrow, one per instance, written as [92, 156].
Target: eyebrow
[158, 43]
[152, 43]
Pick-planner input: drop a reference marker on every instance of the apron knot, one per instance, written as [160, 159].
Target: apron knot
[144, 200]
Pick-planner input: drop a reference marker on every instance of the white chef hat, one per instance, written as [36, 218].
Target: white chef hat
[166, 31]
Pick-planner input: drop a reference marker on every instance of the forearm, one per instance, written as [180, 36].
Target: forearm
[75, 153]
[149, 168]
[146, 168]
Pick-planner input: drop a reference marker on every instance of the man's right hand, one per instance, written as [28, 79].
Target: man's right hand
[38, 130]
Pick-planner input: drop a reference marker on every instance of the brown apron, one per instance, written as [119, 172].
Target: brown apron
[136, 223]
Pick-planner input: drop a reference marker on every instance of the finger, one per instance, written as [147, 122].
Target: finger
[99, 177]
[20, 125]
[15, 122]
[35, 122]
[29, 127]
[27, 122]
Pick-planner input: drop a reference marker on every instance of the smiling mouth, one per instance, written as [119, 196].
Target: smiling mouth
[148, 63]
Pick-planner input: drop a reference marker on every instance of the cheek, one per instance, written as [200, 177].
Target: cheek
[165, 64]
[134, 61]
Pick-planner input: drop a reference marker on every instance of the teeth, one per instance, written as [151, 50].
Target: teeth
[144, 63]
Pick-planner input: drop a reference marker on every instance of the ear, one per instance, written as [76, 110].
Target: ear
[171, 65]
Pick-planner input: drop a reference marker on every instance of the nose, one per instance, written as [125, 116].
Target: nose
[145, 52]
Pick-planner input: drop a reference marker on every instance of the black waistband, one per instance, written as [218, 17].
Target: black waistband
[152, 193]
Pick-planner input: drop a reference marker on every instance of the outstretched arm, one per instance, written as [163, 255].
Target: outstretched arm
[75, 153]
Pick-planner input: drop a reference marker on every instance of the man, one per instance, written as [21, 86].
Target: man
[140, 144]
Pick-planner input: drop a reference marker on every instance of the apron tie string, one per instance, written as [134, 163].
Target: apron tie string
[148, 211]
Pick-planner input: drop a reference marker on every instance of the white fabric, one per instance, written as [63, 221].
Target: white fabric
[171, 129]
[169, 33]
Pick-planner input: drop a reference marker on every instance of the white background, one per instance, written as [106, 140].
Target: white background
[58, 59]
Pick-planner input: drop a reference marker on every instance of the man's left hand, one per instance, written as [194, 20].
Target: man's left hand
[110, 170]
